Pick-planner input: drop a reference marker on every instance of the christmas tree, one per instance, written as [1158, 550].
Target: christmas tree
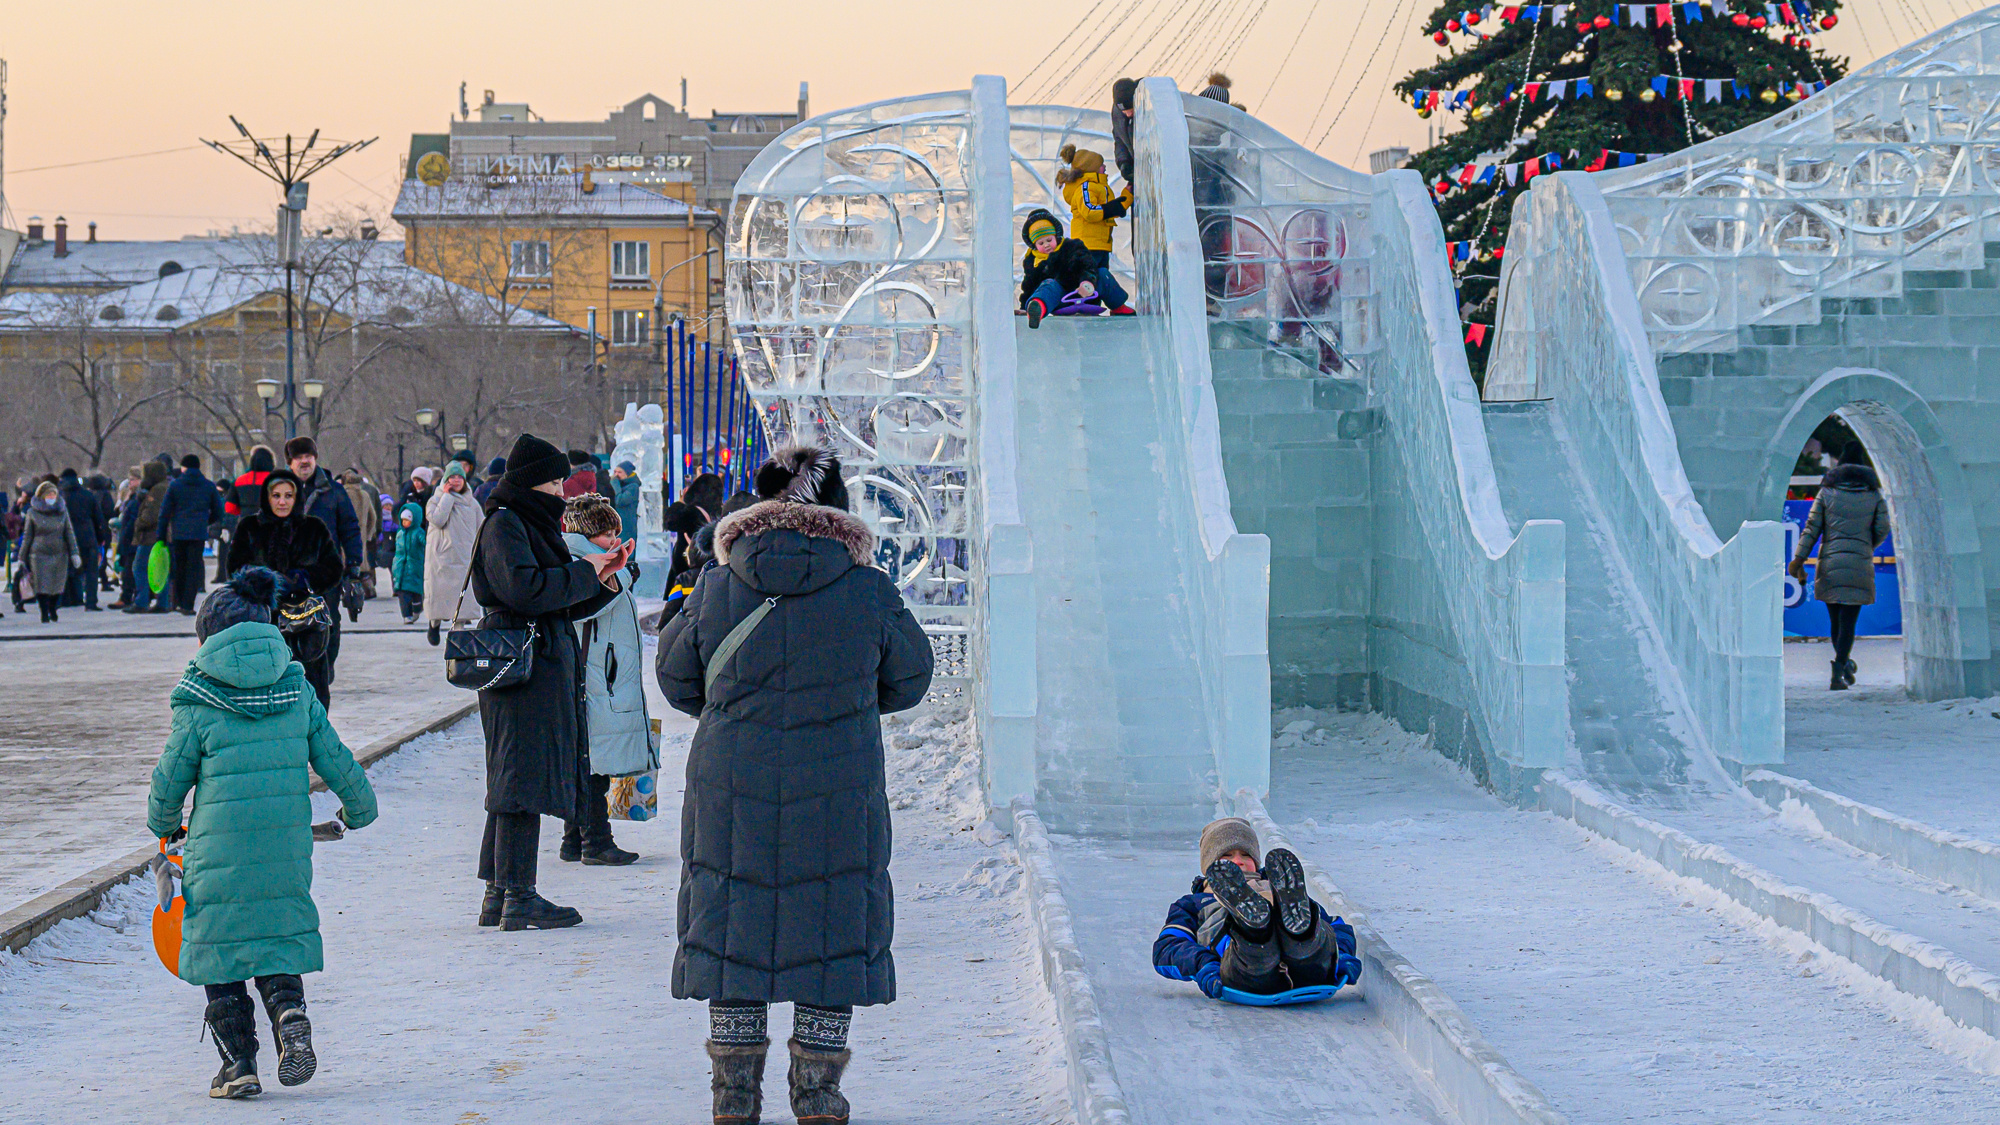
[1592, 85]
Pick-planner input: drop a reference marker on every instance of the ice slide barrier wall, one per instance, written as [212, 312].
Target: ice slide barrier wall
[1092, 596]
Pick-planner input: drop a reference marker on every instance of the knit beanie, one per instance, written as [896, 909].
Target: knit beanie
[1086, 161]
[248, 596]
[454, 468]
[465, 457]
[591, 514]
[1226, 835]
[533, 461]
[1123, 91]
[496, 466]
[803, 474]
[579, 458]
[1042, 227]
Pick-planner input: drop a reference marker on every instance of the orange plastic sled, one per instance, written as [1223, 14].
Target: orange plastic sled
[167, 924]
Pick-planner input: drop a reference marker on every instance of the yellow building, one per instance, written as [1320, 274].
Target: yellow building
[569, 246]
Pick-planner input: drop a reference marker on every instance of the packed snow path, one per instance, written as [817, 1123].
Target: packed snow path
[1623, 996]
[422, 1016]
[1184, 1058]
[1122, 734]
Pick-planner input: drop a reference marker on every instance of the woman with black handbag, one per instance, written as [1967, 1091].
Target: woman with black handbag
[525, 578]
[280, 535]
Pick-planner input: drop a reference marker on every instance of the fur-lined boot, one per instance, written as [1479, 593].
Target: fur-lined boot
[232, 1020]
[736, 1075]
[815, 1082]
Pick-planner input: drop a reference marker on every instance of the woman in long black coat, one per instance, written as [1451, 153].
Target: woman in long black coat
[280, 535]
[523, 575]
[785, 891]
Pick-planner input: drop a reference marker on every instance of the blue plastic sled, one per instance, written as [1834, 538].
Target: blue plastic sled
[1311, 994]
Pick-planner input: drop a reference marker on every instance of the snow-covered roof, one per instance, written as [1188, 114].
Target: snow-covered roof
[386, 290]
[118, 264]
[475, 199]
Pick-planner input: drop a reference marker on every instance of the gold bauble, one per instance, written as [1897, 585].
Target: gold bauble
[1615, 94]
[1647, 95]
[1793, 93]
[1424, 112]
[1768, 96]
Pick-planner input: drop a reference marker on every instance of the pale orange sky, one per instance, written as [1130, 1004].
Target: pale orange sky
[90, 78]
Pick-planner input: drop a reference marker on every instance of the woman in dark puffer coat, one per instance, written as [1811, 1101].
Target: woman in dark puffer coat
[280, 535]
[785, 891]
[1849, 521]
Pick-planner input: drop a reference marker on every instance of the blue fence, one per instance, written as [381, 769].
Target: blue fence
[712, 424]
[1805, 616]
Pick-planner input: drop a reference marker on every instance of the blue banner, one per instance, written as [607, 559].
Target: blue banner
[1805, 616]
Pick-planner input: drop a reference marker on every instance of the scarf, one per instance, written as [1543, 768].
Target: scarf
[541, 512]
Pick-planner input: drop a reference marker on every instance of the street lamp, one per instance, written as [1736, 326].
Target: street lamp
[426, 418]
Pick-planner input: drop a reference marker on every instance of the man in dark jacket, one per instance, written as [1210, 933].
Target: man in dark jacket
[91, 527]
[537, 732]
[483, 489]
[193, 504]
[144, 519]
[785, 822]
[1123, 93]
[327, 501]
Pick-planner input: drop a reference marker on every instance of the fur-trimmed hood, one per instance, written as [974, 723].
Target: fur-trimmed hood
[809, 520]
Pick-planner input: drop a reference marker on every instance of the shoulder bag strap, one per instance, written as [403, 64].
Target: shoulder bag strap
[732, 642]
[457, 609]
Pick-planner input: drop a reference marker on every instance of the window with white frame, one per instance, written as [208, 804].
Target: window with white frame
[631, 260]
[628, 326]
[529, 259]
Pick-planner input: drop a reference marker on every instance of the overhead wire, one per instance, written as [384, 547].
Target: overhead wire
[1133, 58]
[1082, 62]
[1172, 60]
[1333, 80]
[1196, 61]
[1408, 26]
[1065, 68]
[1365, 68]
[1117, 62]
[1029, 76]
[1243, 33]
[1068, 56]
[1296, 40]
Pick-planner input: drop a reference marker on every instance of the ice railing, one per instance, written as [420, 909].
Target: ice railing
[1231, 600]
[849, 293]
[1504, 593]
[1895, 167]
[1717, 607]
[1283, 241]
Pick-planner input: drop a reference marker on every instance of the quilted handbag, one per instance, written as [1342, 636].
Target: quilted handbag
[487, 659]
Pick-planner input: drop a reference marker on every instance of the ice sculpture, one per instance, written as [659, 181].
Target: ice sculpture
[652, 480]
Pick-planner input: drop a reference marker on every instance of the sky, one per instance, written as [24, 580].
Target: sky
[90, 80]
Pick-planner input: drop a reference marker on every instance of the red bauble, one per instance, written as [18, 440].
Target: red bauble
[1827, 21]
[1472, 19]
[1804, 42]
[1443, 186]
[1740, 20]
[1759, 22]
[1451, 25]
[1441, 38]
[1499, 252]
[1601, 22]
[1788, 41]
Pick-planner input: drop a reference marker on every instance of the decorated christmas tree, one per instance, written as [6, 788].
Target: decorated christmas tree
[1591, 85]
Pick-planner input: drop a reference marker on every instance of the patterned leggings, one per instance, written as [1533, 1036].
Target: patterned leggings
[747, 1023]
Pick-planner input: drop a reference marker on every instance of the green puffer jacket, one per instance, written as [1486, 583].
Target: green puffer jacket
[245, 727]
[406, 570]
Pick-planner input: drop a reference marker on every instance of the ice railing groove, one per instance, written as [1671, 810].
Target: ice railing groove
[1231, 598]
[1715, 606]
[1894, 168]
[849, 278]
[1504, 592]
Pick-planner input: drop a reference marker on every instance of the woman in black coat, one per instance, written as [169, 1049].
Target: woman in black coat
[785, 891]
[280, 535]
[523, 575]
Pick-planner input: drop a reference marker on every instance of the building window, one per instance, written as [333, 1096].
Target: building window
[628, 326]
[529, 259]
[631, 260]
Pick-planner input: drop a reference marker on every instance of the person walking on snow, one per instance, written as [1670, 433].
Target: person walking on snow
[1849, 522]
[622, 742]
[283, 538]
[192, 506]
[785, 892]
[406, 572]
[454, 530]
[48, 545]
[524, 576]
[246, 728]
[322, 497]
[92, 526]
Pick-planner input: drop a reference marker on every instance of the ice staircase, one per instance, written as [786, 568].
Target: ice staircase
[1121, 733]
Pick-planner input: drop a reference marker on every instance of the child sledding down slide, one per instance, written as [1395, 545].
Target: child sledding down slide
[1061, 276]
[1254, 932]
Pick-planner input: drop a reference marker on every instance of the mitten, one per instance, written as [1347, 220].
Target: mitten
[1209, 977]
[1347, 970]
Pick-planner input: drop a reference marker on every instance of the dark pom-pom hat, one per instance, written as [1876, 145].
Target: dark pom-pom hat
[251, 594]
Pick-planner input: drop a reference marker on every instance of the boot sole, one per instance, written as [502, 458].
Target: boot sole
[593, 861]
[514, 925]
[296, 1061]
[1288, 886]
[1231, 888]
[244, 1087]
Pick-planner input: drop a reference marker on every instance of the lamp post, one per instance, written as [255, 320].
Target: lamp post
[290, 171]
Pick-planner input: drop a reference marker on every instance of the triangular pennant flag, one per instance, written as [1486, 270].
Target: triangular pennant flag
[1597, 165]
[1475, 334]
[1635, 15]
[1663, 15]
[1509, 14]
[1560, 14]
[1687, 89]
[1659, 85]
[1627, 159]
[1532, 11]
[1486, 174]
[1690, 13]
[1584, 89]
[1711, 90]
[1531, 90]
[1785, 13]
[1513, 174]
[1553, 162]
[1432, 101]
[1465, 174]
[1532, 168]
[1720, 8]
[1739, 90]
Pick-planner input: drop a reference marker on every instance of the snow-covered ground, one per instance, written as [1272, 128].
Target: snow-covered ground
[422, 1016]
[1624, 994]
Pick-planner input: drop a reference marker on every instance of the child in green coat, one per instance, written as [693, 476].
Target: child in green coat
[406, 571]
[246, 726]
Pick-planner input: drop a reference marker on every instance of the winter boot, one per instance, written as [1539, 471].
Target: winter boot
[610, 855]
[1231, 887]
[1849, 671]
[285, 1003]
[525, 908]
[815, 1082]
[1036, 311]
[1839, 676]
[433, 634]
[736, 1075]
[1296, 912]
[232, 1020]
[572, 842]
[491, 905]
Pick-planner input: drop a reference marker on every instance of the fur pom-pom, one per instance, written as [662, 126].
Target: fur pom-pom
[257, 585]
[1068, 153]
[1219, 79]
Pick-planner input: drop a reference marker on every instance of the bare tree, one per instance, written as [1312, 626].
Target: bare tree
[103, 383]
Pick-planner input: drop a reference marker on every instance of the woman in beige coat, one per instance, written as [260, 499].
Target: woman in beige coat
[454, 528]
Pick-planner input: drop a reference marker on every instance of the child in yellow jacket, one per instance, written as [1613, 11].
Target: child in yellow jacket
[1094, 211]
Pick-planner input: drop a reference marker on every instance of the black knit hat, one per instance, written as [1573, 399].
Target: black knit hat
[803, 474]
[251, 595]
[1123, 91]
[533, 461]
